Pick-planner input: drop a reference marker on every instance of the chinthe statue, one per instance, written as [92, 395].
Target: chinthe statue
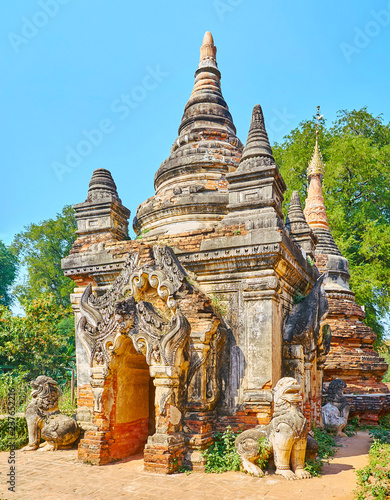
[45, 420]
[335, 412]
[285, 437]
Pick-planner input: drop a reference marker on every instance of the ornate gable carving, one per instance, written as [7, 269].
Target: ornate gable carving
[121, 312]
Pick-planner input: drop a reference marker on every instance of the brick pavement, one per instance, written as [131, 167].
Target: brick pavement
[59, 476]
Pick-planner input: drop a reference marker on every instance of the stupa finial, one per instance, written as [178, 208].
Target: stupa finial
[316, 165]
[208, 50]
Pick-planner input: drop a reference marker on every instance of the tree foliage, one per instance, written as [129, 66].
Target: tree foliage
[41, 343]
[40, 247]
[8, 272]
[356, 188]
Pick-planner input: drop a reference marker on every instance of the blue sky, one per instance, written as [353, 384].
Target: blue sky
[66, 65]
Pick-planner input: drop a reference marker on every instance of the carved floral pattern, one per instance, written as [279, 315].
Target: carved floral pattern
[116, 313]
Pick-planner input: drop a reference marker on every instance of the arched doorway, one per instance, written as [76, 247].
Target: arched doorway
[133, 414]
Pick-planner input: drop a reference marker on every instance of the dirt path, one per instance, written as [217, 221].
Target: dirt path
[59, 476]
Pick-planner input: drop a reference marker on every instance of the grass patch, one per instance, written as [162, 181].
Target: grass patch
[184, 469]
[65, 402]
[298, 298]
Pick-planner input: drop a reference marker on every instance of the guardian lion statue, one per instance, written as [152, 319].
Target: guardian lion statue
[336, 411]
[44, 418]
[285, 435]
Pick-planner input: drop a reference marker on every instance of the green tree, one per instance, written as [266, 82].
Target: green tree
[41, 343]
[40, 247]
[356, 188]
[8, 272]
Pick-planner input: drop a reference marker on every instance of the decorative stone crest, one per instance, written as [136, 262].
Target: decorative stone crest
[106, 318]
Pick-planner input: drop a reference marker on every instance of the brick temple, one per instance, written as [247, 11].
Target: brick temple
[179, 333]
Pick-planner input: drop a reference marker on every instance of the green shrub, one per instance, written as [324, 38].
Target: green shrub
[7, 435]
[12, 380]
[222, 456]
[314, 467]
[352, 427]
[326, 449]
[374, 479]
[264, 452]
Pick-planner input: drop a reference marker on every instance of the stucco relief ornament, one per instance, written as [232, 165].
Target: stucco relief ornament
[157, 339]
[116, 313]
[121, 312]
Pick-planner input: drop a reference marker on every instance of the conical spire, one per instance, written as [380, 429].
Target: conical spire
[206, 106]
[297, 226]
[256, 188]
[258, 142]
[102, 185]
[295, 214]
[315, 212]
[191, 186]
[316, 165]
[102, 211]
